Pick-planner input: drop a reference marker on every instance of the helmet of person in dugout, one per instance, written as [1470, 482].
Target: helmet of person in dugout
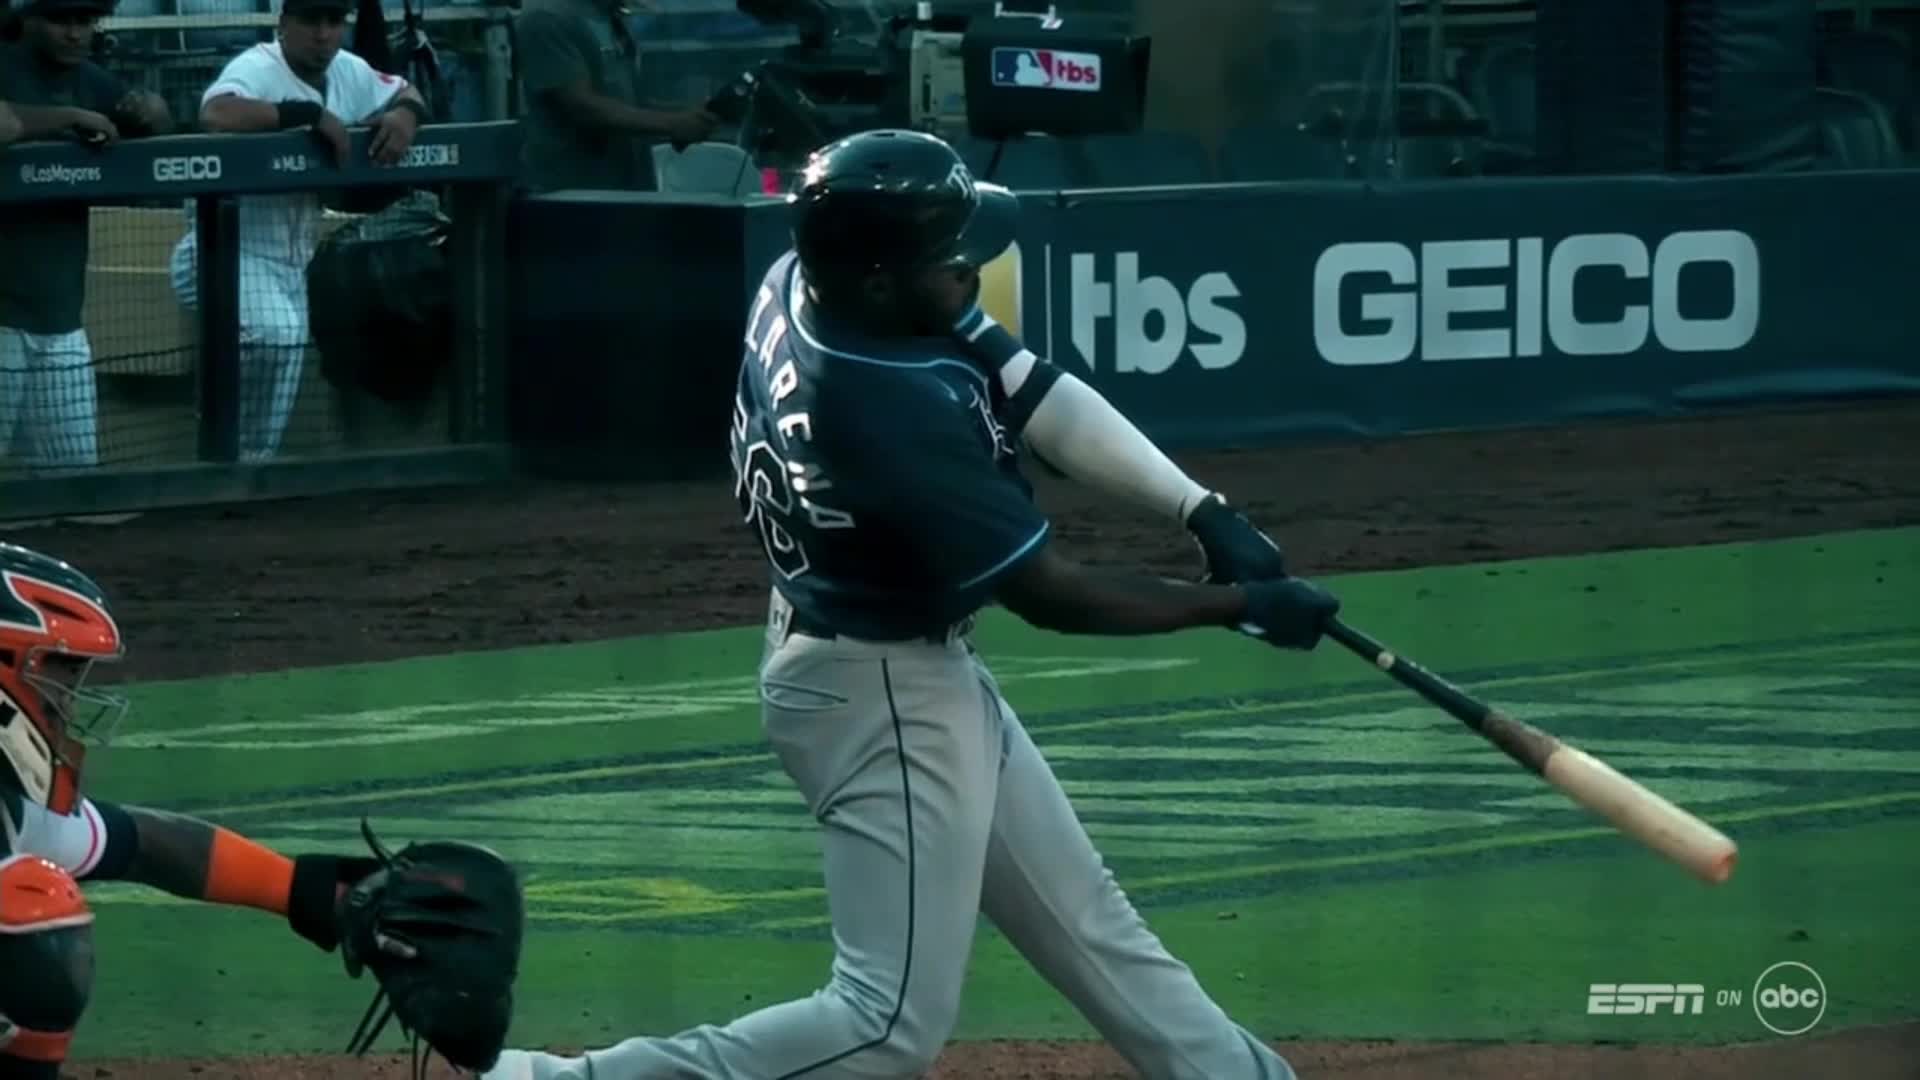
[46, 951]
[54, 626]
[896, 201]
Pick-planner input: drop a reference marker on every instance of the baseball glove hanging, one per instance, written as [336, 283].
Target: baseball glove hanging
[440, 926]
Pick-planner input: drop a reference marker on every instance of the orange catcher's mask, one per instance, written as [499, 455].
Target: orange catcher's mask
[54, 626]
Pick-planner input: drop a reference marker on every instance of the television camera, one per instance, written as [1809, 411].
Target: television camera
[947, 73]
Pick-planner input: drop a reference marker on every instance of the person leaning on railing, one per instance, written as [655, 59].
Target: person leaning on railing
[47, 390]
[305, 81]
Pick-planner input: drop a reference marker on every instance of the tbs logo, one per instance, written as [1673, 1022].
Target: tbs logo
[1046, 69]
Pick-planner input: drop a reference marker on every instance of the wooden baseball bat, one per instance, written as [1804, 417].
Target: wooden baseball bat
[1676, 834]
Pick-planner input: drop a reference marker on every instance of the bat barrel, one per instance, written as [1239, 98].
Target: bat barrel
[1632, 809]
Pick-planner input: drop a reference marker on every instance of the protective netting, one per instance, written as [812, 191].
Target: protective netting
[1293, 89]
[287, 405]
[118, 389]
[123, 389]
[1365, 90]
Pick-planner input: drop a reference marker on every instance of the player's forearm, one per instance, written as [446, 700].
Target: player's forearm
[198, 860]
[1071, 599]
[1079, 432]
[44, 121]
[598, 112]
[239, 115]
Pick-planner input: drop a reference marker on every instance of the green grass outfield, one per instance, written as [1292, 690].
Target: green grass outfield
[1334, 857]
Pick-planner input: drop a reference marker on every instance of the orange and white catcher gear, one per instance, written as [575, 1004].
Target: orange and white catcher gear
[54, 626]
[46, 953]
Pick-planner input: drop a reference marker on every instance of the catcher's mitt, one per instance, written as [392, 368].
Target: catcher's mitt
[440, 926]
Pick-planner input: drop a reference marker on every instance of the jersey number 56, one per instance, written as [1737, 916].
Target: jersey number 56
[767, 501]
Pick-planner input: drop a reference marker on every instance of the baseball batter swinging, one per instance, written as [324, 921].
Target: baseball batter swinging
[874, 443]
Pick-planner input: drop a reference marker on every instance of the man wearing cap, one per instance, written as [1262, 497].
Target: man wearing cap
[47, 390]
[304, 80]
[585, 123]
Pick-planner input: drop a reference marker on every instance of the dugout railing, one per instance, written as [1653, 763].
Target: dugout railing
[469, 166]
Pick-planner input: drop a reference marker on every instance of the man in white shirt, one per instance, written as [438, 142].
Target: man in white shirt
[302, 80]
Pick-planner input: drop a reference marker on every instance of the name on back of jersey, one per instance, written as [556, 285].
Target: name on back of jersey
[775, 480]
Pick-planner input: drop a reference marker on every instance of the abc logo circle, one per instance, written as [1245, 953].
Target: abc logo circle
[1789, 998]
[1786, 997]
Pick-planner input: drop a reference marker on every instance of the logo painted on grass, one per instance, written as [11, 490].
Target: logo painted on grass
[1789, 998]
[1635, 999]
[1197, 797]
[619, 703]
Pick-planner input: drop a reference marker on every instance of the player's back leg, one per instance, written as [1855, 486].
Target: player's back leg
[895, 749]
[46, 966]
[1048, 890]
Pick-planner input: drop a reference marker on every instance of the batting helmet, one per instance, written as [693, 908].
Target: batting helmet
[891, 200]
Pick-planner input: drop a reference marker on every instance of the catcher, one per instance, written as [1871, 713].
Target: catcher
[439, 924]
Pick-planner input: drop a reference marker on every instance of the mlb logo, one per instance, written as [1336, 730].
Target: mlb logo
[1046, 69]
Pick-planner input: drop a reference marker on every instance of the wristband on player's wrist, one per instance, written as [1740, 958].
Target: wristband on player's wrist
[296, 114]
[418, 110]
[314, 900]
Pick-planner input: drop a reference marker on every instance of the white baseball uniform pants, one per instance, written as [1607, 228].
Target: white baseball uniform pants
[273, 341]
[48, 398]
[934, 807]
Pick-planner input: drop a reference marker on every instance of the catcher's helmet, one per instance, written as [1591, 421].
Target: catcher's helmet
[893, 200]
[54, 625]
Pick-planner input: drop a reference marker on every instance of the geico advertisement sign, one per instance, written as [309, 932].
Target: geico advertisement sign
[1411, 305]
[168, 170]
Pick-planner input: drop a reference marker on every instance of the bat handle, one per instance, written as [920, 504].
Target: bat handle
[1360, 644]
[1438, 691]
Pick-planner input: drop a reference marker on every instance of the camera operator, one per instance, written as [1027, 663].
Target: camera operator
[585, 125]
[47, 390]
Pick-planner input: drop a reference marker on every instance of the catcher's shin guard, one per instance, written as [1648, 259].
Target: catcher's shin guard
[46, 953]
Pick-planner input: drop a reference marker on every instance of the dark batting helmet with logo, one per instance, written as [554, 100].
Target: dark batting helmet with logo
[896, 201]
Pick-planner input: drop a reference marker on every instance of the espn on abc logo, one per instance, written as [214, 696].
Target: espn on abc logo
[1789, 998]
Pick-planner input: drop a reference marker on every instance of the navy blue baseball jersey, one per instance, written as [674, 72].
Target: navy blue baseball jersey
[880, 475]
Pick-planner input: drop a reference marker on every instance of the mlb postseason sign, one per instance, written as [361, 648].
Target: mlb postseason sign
[1046, 69]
